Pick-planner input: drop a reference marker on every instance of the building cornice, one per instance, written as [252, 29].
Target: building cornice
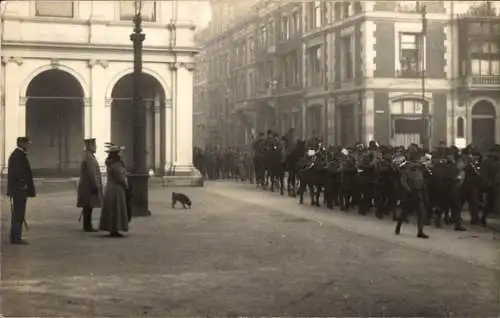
[97, 47]
[174, 24]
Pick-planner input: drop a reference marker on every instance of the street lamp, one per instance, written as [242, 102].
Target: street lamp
[138, 178]
[425, 105]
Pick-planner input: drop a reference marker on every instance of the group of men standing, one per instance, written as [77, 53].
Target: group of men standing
[114, 202]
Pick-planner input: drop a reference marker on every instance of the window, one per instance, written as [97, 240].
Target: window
[270, 32]
[409, 6]
[460, 128]
[127, 10]
[347, 9]
[55, 8]
[315, 68]
[407, 107]
[263, 34]
[485, 67]
[347, 55]
[410, 55]
[318, 15]
[285, 28]
[296, 22]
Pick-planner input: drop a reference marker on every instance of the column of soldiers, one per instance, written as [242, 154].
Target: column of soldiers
[433, 186]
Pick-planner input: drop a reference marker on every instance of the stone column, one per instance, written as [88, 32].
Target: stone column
[148, 104]
[331, 133]
[100, 114]
[15, 108]
[303, 123]
[157, 133]
[183, 172]
[369, 116]
[87, 118]
[169, 135]
[184, 119]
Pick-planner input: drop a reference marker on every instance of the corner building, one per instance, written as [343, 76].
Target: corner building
[66, 69]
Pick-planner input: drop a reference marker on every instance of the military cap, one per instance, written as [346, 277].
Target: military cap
[89, 141]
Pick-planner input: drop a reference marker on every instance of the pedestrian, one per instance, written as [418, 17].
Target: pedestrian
[115, 214]
[20, 187]
[90, 190]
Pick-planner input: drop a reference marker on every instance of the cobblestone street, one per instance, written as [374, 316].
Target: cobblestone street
[241, 251]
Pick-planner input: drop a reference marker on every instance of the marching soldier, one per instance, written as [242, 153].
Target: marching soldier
[20, 187]
[412, 184]
[90, 190]
[258, 150]
[314, 141]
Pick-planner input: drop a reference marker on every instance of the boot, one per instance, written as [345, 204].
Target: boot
[87, 221]
[398, 228]
[421, 233]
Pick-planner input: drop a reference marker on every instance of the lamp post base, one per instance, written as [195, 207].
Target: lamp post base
[138, 184]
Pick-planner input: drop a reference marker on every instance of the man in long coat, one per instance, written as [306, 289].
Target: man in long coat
[20, 187]
[90, 190]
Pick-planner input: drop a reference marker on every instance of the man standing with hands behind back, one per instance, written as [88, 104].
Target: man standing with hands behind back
[90, 185]
[20, 187]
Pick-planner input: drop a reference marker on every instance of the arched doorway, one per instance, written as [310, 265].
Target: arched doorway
[483, 125]
[314, 120]
[54, 122]
[122, 115]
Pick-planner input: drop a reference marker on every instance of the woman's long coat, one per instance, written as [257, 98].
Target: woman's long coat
[114, 216]
[90, 184]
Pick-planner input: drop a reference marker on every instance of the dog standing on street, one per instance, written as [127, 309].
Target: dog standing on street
[182, 199]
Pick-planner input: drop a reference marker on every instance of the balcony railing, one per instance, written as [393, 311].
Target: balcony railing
[408, 73]
[485, 79]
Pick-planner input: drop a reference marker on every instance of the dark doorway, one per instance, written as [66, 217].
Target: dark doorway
[314, 120]
[122, 119]
[54, 122]
[345, 121]
[483, 125]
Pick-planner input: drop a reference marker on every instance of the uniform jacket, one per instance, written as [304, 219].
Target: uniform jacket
[90, 184]
[19, 175]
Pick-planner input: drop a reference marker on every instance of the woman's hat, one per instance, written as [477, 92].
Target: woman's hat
[113, 148]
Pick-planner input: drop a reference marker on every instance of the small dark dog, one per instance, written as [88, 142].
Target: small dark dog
[182, 199]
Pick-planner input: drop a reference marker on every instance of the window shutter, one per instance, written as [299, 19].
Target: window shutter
[54, 8]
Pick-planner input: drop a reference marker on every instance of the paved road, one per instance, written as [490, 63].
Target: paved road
[243, 251]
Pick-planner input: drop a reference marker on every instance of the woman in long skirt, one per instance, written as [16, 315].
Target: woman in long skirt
[114, 214]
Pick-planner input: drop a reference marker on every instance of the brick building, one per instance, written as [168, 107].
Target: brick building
[356, 71]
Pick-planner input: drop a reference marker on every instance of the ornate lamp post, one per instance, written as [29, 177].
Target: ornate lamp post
[426, 122]
[138, 179]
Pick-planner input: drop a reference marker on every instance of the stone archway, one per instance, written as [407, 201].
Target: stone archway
[55, 123]
[483, 124]
[314, 120]
[153, 97]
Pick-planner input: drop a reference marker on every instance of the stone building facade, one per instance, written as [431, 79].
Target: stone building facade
[66, 71]
[356, 71]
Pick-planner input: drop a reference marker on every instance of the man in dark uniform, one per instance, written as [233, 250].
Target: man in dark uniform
[20, 187]
[90, 191]
[412, 185]
[258, 153]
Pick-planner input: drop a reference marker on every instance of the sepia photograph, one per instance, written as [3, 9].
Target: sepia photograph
[249, 158]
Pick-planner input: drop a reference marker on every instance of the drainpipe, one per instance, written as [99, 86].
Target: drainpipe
[453, 74]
